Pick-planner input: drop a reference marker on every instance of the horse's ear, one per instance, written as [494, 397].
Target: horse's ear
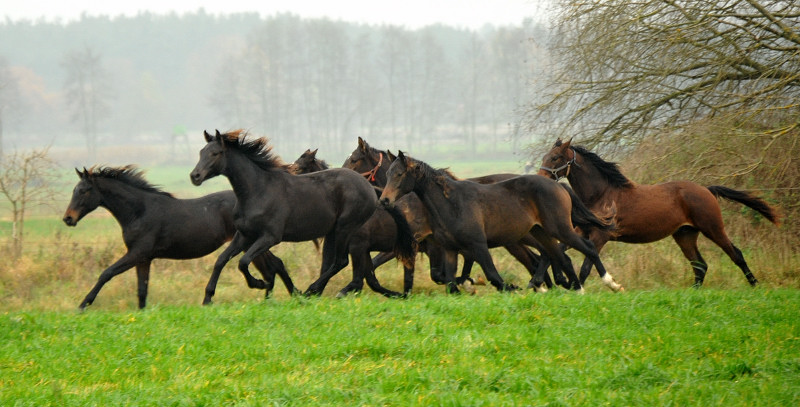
[403, 160]
[362, 144]
[207, 136]
[80, 175]
[567, 143]
[557, 143]
[391, 156]
[313, 153]
[308, 151]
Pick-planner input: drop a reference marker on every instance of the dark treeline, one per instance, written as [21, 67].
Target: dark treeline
[301, 82]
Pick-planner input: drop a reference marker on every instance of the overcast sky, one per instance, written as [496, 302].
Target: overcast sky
[409, 13]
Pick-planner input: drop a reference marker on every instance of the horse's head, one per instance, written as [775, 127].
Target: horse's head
[556, 163]
[212, 159]
[85, 198]
[368, 161]
[400, 179]
[307, 163]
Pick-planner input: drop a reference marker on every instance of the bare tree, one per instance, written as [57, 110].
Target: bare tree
[88, 91]
[25, 178]
[625, 68]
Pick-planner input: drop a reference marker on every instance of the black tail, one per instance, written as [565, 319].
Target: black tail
[585, 219]
[405, 247]
[755, 203]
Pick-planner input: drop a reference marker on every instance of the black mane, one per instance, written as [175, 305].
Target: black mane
[128, 174]
[438, 176]
[258, 150]
[609, 170]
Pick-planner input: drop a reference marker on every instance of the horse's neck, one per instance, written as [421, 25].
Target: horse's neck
[246, 178]
[590, 186]
[125, 202]
[432, 196]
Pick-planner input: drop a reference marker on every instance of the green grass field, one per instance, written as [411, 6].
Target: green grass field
[666, 347]
[659, 343]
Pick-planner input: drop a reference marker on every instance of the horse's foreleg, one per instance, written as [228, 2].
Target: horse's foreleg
[124, 263]
[259, 247]
[267, 272]
[234, 247]
[143, 279]
[448, 263]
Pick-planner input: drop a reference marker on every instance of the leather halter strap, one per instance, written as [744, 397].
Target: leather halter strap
[371, 173]
[566, 166]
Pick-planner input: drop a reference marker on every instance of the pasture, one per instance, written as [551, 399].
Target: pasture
[659, 343]
[664, 347]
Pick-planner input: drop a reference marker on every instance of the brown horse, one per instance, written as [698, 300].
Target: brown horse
[470, 218]
[647, 213]
[373, 164]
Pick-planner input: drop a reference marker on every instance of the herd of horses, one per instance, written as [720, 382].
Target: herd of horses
[398, 206]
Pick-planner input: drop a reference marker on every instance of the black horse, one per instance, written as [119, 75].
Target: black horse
[469, 217]
[157, 225]
[275, 205]
[385, 231]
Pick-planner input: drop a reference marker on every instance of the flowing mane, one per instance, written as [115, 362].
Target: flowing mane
[438, 176]
[257, 150]
[129, 174]
[609, 170]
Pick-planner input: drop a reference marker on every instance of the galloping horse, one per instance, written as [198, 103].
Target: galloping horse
[374, 163]
[157, 225]
[275, 205]
[469, 217]
[385, 231]
[647, 213]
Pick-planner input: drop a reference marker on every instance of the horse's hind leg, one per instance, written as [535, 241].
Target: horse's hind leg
[557, 256]
[719, 237]
[143, 279]
[686, 238]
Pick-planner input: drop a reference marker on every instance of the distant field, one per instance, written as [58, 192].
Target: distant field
[665, 347]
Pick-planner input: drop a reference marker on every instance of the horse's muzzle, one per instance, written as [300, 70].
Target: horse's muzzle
[385, 203]
[70, 220]
[196, 178]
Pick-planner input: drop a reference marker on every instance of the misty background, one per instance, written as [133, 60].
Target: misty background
[141, 89]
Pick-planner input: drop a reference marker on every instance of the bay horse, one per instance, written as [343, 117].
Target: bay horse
[274, 205]
[647, 213]
[470, 217]
[157, 225]
[385, 231]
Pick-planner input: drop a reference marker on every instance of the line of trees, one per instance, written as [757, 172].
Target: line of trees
[104, 81]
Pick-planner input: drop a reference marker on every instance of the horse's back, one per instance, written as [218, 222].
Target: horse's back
[190, 228]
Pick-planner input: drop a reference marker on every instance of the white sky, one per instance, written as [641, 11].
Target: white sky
[409, 13]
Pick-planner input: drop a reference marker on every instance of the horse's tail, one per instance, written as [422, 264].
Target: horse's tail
[585, 219]
[405, 247]
[753, 202]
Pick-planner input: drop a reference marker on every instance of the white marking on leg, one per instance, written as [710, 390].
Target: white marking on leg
[608, 280]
